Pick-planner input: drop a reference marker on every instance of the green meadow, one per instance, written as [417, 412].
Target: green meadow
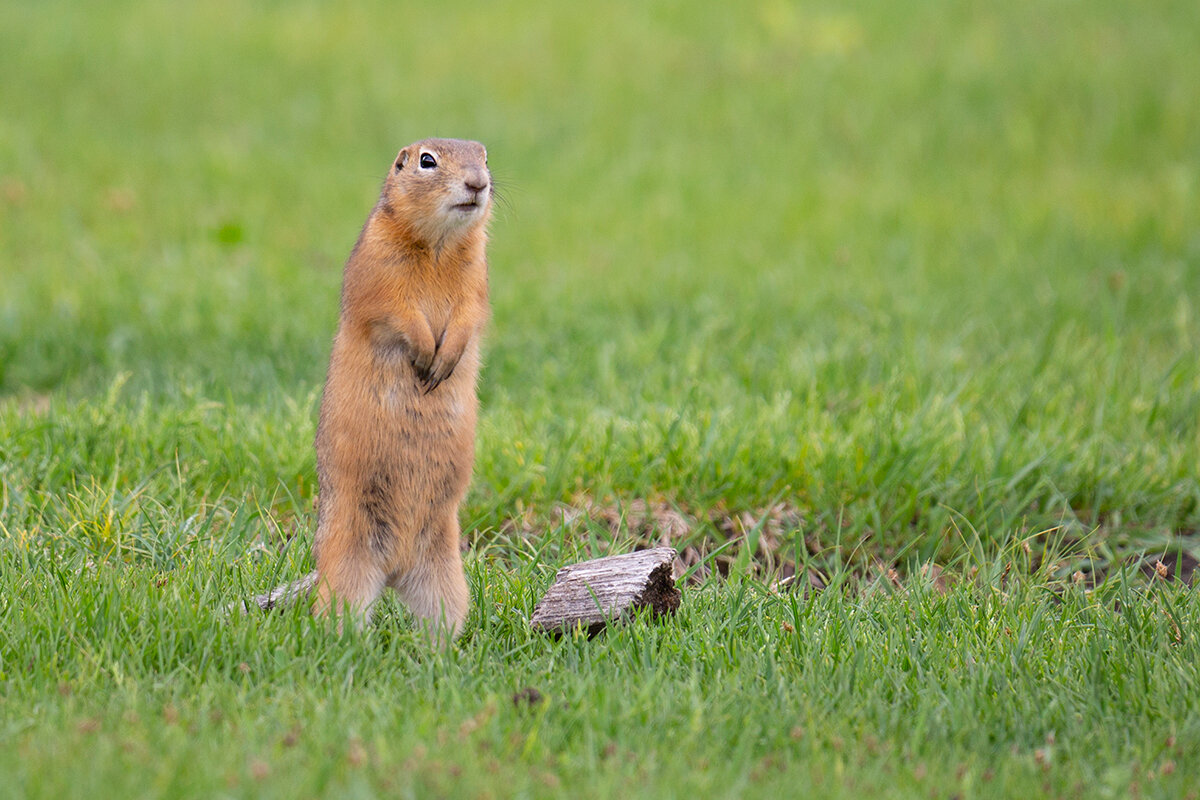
[885, 315]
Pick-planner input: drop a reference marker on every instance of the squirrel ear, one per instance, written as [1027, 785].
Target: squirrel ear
[401, 160]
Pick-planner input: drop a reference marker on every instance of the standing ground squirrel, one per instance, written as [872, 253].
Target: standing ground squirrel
[396, 438]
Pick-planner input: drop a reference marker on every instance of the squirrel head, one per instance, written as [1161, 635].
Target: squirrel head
[438, 190]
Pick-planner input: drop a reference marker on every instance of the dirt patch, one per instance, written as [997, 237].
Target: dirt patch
[808, 581]
[1180, 565]
[695, 535]
[653, 522]
[34, 404]
[769, 526]
[527, 697]
[785, 543]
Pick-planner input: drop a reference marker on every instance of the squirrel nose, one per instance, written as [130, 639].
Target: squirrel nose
[477, 182]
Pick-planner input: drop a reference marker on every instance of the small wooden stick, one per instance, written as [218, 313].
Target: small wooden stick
[593, 593]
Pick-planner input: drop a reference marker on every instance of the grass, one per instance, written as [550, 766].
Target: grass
[927, 274]
[991, 688]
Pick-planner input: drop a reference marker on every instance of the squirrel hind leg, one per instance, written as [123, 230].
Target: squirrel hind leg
[352, 567]
[436, 592]
[348, 594]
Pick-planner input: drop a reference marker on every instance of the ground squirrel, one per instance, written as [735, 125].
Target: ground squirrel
[396, 438]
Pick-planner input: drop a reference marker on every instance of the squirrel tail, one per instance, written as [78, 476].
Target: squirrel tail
[280, 597]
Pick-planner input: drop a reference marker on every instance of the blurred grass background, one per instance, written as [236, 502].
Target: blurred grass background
[927, 271]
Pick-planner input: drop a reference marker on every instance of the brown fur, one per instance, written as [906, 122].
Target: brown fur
[396, 438]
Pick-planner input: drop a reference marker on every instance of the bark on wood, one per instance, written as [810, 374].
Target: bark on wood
[590, 594]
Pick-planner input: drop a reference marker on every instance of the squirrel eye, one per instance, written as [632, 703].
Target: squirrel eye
[428, 161]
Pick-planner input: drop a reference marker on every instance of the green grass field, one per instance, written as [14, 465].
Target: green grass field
[918, 282]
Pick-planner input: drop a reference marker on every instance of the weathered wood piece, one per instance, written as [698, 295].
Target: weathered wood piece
[592, 593]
